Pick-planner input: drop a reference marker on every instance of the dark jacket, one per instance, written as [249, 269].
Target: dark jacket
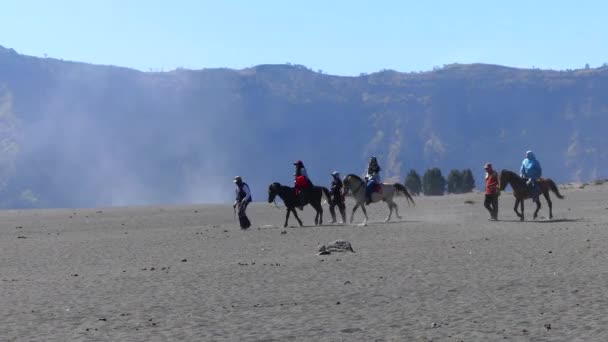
[373, 168]
[242, 190]
[336, 190]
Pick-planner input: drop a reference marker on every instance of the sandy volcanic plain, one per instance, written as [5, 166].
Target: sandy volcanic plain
[187, 273]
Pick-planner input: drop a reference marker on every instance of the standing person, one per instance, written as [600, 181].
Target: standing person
[532, 171]
[373, 178]
[337, 197]
[492, 192]
[242, 200]
[302, 183]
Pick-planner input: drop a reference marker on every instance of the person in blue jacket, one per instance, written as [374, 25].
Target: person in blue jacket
[531, 171]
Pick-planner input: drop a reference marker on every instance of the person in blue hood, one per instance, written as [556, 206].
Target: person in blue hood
[531, 170]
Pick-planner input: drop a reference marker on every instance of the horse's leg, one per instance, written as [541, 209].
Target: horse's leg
[364, 213]
[352, 215]
[319, 216]
[396, 211]
[295, 213]
[320, 213]
[390, 210]
[515, 209]
[521, 205]
[537, 208]
[549, 203]
[287, 217]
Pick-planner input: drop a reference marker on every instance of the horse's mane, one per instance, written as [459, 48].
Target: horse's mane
[278, 185]
[511, 174]
[354, 176]
[514, 176]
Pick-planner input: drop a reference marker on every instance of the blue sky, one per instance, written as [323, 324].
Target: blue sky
[338, 37]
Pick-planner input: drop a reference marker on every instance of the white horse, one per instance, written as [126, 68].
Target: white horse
[357, 186]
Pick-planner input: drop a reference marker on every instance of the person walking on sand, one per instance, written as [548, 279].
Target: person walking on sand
[243, 198]
[337, 197]
[492, 192]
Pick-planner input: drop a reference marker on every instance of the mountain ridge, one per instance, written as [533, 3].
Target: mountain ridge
[120, 136]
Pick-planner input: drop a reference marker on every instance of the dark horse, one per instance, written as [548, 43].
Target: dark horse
[288, 195]
[522, 192]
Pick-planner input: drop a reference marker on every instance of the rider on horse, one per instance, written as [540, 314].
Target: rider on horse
[532, 171]
[302, 183]
[373, 178]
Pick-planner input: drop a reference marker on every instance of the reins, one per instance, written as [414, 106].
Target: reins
[278, 193]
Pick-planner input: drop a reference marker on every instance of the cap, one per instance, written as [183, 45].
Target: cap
[335, 173]
[237, 179]
[487, 166]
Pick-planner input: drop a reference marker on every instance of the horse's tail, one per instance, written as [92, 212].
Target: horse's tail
[554, 188]
[403, 189]
[325, 192]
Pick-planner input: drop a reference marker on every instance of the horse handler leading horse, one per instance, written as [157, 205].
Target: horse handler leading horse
[242, 200]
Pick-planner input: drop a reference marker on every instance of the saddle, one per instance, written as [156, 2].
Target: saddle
[377, 188]
[534, 189]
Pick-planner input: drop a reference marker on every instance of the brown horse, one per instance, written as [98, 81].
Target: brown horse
[522, 192]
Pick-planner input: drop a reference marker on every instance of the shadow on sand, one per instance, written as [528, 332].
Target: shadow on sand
[329, 225]
[543, 220]
[393, 222]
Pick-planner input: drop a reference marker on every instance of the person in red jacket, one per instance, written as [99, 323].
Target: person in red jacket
[492, 192]
[302, 183]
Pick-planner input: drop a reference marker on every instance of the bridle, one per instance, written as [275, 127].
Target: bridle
[275, 192]
[358, 188]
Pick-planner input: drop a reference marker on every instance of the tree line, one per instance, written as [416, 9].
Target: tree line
[433, 183]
